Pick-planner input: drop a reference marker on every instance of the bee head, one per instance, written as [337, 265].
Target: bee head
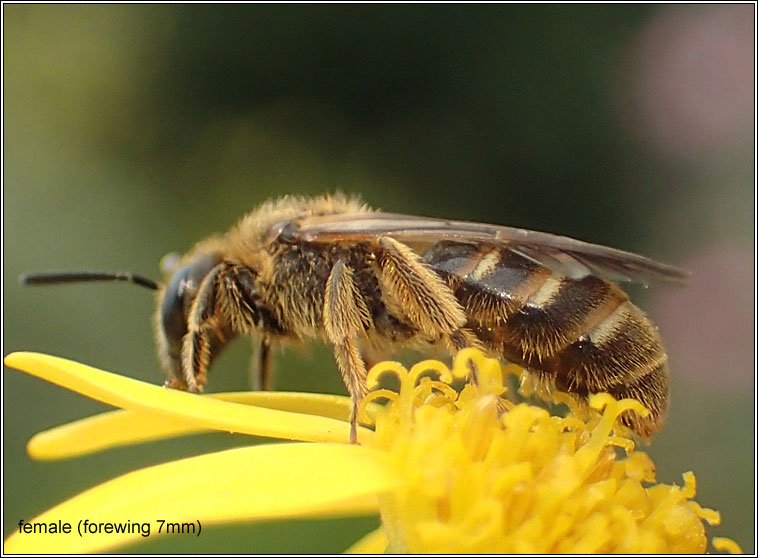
[174, 304]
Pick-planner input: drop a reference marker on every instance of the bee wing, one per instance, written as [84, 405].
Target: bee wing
[568, 256]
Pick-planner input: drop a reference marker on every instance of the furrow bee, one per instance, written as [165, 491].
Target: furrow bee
[330, 268]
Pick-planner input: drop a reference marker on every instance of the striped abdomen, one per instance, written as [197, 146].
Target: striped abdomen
[582, 335]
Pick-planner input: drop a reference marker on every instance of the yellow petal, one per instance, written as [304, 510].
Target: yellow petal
[119, 428]
[196, 411]
[373, 543]
[254, 483]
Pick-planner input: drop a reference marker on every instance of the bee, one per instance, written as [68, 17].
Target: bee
[330, 268]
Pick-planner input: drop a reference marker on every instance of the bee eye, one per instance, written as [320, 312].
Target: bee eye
[179, 295]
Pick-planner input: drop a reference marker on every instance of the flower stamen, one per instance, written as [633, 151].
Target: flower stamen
[482, 474]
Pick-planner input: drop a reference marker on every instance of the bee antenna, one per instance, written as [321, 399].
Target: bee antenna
[56, 278]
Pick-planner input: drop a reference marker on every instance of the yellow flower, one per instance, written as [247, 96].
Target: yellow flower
[448, 471]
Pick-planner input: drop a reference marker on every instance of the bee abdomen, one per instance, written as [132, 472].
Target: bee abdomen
[652, 390]
[523, 304]
[559, 313]
[621, 349]
[623, 356]
[581, 335]
[491, 284]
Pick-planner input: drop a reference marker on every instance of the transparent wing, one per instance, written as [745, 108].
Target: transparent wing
[568, 256]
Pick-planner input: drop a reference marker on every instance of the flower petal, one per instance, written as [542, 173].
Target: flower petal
[254, 483]
[200, 412]
[120, 428]
[373, 543]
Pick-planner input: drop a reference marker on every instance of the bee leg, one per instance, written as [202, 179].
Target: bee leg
[196, 345]
[415, 291]
[354, 375]
[262, 380]
[345, 317]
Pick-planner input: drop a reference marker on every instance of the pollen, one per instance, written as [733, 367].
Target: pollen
[483, 474]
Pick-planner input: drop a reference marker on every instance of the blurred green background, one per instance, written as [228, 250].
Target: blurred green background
[135, 130]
